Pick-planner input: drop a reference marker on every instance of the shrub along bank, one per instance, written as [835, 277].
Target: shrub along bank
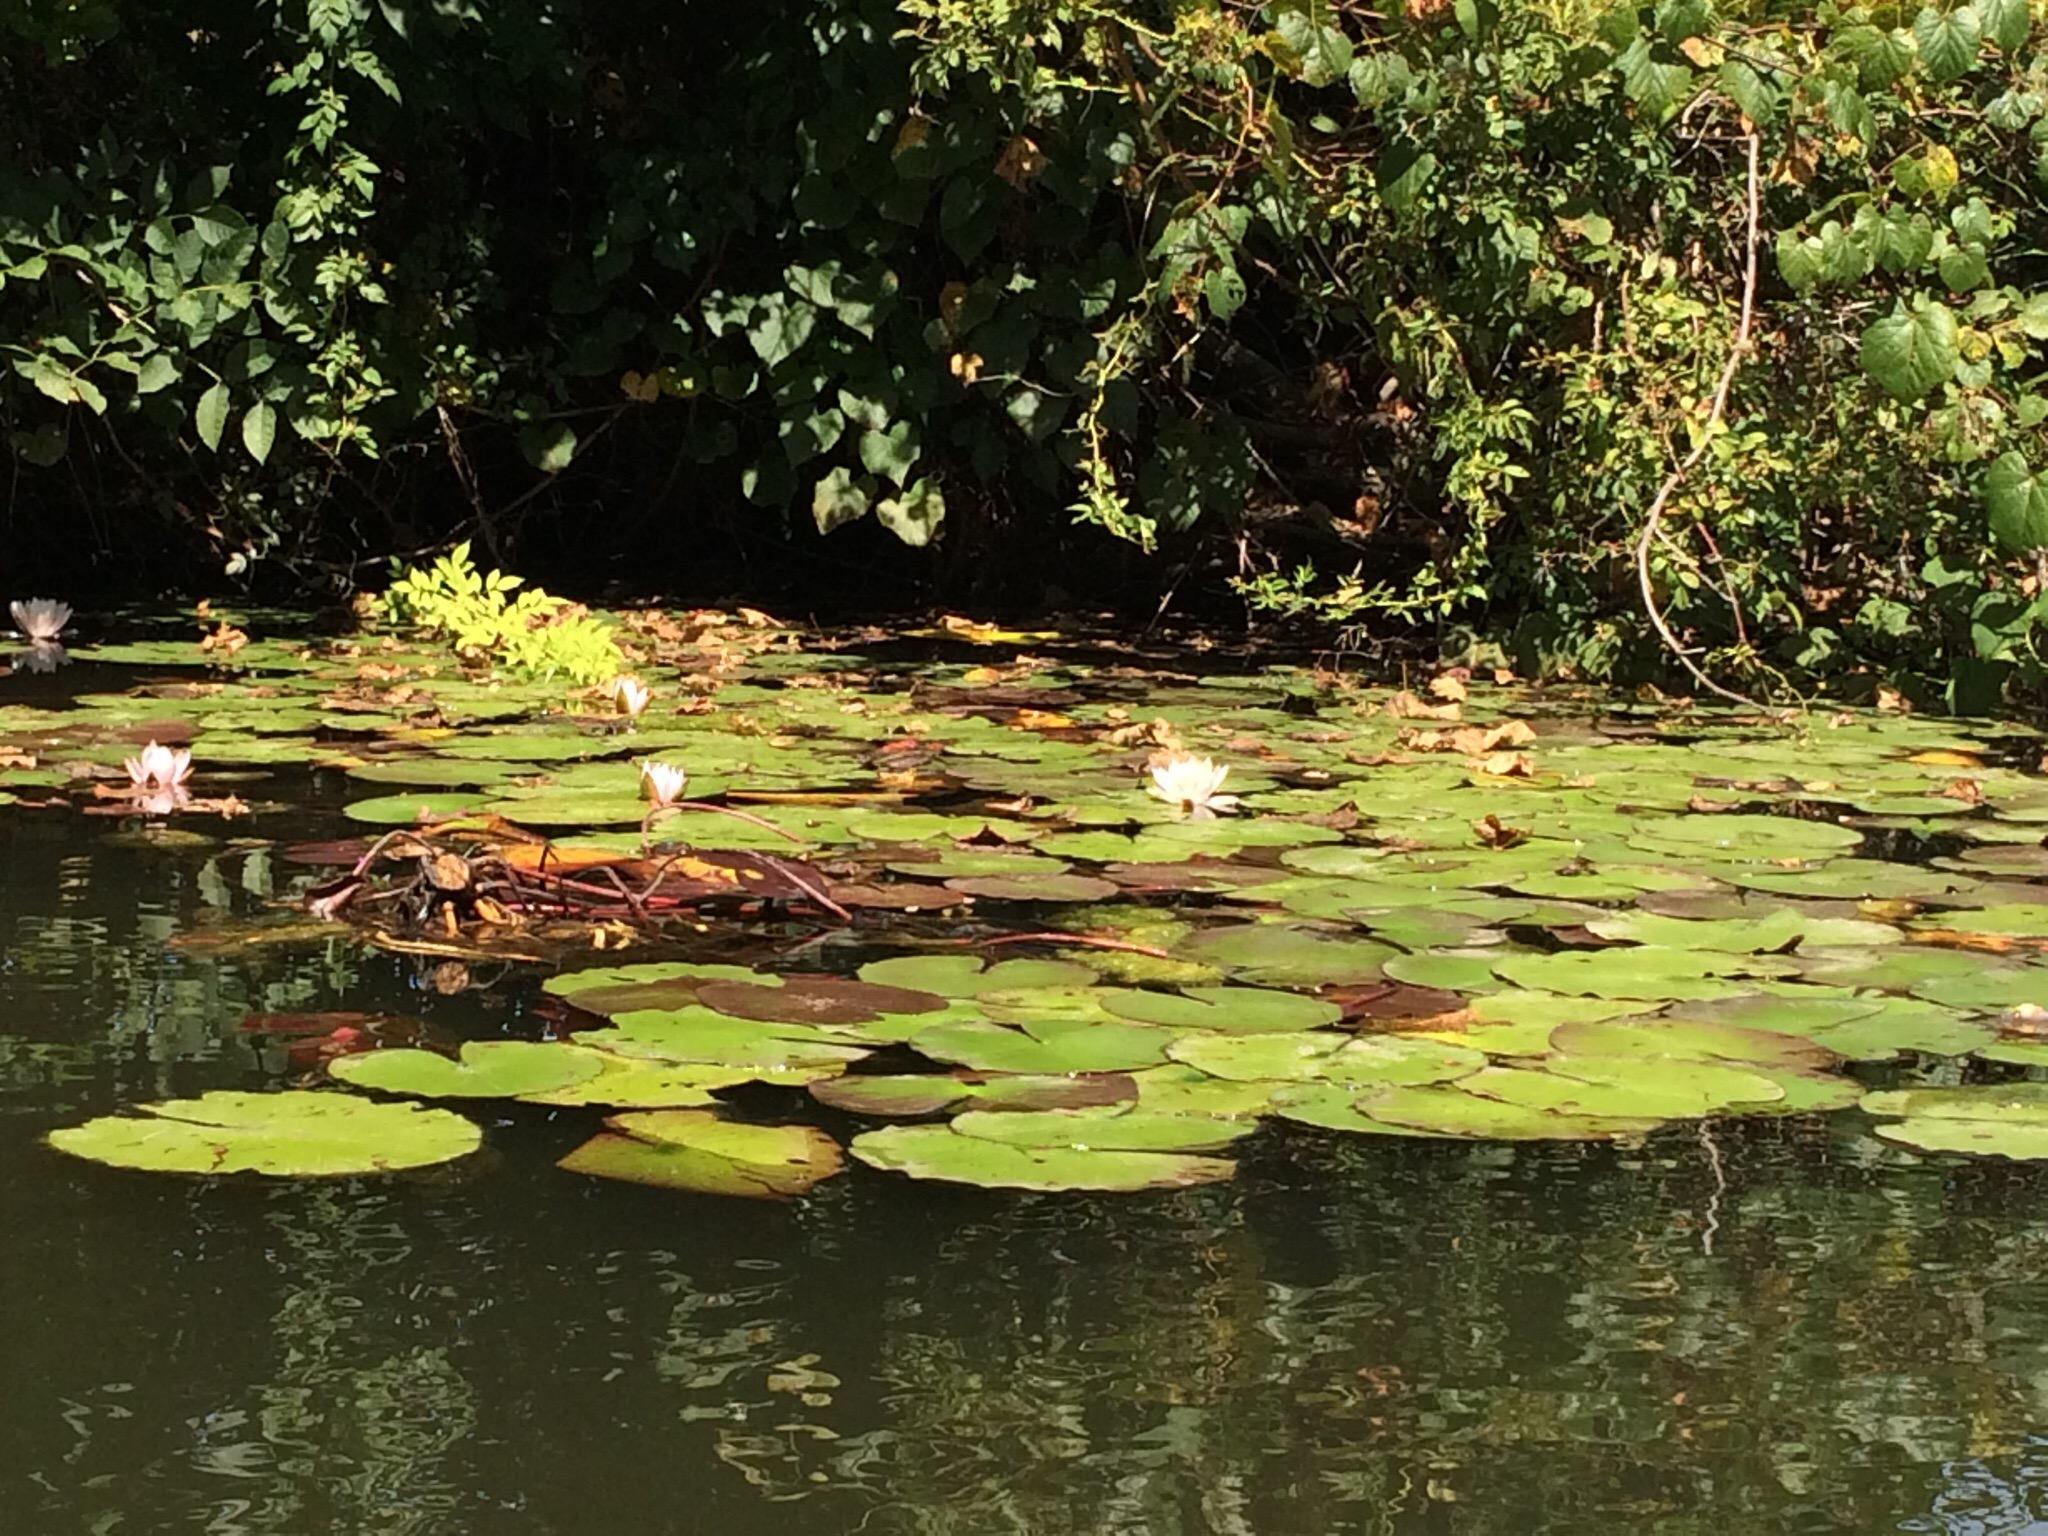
[1397, 316]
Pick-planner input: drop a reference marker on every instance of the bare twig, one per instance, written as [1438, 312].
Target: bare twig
[1653, 522]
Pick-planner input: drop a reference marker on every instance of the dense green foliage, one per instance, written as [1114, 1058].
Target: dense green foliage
[1400, 317]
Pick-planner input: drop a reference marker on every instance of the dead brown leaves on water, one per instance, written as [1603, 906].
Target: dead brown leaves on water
[1476, 741]
[1495, 833]
[1407, 706]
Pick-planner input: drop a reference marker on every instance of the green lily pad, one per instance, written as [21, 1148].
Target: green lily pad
[1624, 1087]
[1978, 1138]
[789, 1053]
[1276, 954]
[1328, 1057]
[1182, 1090]
[1451, 1111]
[912, 1095]
[293, 1134]
[939, 1152]
[1225, 1010]
[488, 1069]
[1694, 1039]
[1855, 880]
[1989, 986]
[1452, 970]
[1109, 1129]
[1040, 1049]
[412, 810]
[625, 1082]
[1779, 931]
[697, 1151]
[2010, 1103]
[1639, 972]
[2019, 1053]
[1067, 887]
[970, 975]
[1748, 838]
[1332, 1107]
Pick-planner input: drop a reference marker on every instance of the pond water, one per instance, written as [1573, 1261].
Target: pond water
[1739, 1319]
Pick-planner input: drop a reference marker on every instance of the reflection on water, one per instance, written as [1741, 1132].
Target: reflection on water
[1774, 1326]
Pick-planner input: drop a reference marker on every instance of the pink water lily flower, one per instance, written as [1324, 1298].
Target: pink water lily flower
[662, 783]
[631, 695]
[162, 802]
[40, 619]
[159, 767]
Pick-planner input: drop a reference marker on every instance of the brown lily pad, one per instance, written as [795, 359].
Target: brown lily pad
[1034, 887]
[814, 1000]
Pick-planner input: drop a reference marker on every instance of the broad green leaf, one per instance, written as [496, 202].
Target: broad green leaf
[915, 516]
[2018, 503]
[1655, 87]
[1800, 260]
[1316, 53]
[157, 372]
[837, 500]
[1911, 351]
[1948, 41]
[210, 416]
[259, 431]
[780, 327]
[1404, 171]
[2005, 23]
[892, 453]
[549, 446]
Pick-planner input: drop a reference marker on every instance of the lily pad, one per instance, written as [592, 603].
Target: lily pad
[911, 1095]
[1277, 954]
[1639, 972]
[814, 1000]
[697, 1151]
[1451, 1111]
[1041, 1049]
[1109, 1129]
[1225, 1010]
[487, 1069]
[626, 1082]
[970, 975]
[292, 1134]
[940, 1152]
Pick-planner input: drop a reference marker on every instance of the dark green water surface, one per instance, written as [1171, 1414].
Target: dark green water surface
[1764, 1326]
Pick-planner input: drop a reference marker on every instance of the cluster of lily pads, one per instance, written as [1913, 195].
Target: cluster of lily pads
[1496, 913]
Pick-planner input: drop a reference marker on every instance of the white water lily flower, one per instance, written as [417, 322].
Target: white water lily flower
[1191, 783]
[662, 783]
[40, 619]
[630, 694]
[159, 767]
